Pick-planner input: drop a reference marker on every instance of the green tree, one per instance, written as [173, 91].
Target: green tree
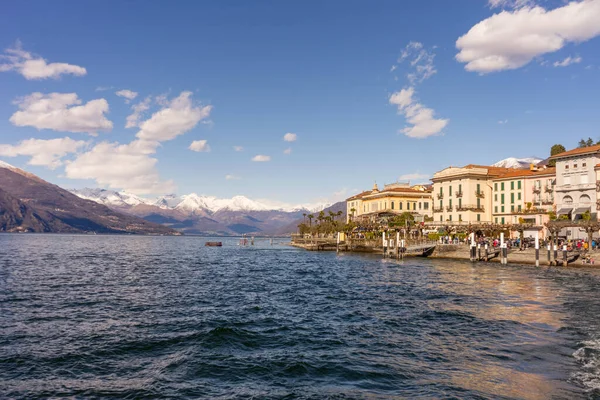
[310, 218]
[582, 143]
[554, 150]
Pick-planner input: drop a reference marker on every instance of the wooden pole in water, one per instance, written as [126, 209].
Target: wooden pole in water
[537, 248]
[549, 255]
[503, 249]
[337, 246]
[478, 251]
[565, 260]
[403, 248]
[398, 245]
[473, 251]
[555, 254]
[383, 244]
[486, 252]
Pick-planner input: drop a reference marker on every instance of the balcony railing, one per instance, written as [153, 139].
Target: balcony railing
[470, 207]
[440, 196]
[438, 209]
[547, 201]
[537, 189]
[449, 208]
[548, 189]
[459, 194]
[479, 194]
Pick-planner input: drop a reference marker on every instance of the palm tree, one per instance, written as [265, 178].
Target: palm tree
[310, 218]
[303, 217]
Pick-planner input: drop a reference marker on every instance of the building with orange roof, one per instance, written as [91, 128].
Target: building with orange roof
[524, 195]
[393, 199]
[463, 195]
[576, 177]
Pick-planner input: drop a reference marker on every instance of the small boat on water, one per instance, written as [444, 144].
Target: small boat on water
[213, 244]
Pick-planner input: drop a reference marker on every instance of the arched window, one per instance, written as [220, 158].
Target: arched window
[585, 199]
[568, 200]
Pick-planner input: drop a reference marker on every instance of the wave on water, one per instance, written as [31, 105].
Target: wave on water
[588, 359]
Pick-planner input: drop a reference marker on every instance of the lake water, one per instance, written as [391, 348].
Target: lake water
[150, 317]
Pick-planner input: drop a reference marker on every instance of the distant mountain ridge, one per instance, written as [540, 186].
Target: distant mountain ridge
[206, 215]
[517, 163]
[30, 204]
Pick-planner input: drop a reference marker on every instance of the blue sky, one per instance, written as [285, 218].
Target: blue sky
[240, 73]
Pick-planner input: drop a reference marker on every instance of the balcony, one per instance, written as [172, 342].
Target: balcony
[449, 208]
[470, 207]
[440, 196]
[547, 201]
[537, 189]
[548, 188]
[479, 194]
[438, 209]
[459, 194]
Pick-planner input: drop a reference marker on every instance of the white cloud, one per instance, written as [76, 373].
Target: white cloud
[511, 39]
[128, 167]
[422, 119]
[133, 120]
[502, 122]
[61, 112]
[420, 60]
[33, 68]
[200, 146]
[176, 118]
[290, 137]
[288, 151]
[127, 94]
[104, 88]
[261, 158]
[230, 177]
[567, 61]
[413, 177]
[238, 148]
[393, 68]
[47, 153]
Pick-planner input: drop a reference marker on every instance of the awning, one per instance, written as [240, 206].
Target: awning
[564, 211]
[581, 210]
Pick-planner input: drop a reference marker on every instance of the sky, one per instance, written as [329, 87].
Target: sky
[294, 102]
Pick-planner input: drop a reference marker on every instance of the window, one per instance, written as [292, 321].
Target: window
[496, 220]
[585, 199]
[568, 200]
[502, 186]
[495, 209]
[502, 220]
[450, 217]
[519, 208]
[519, 185]
[519, 196]
[392, 205]
[512, 208]
[426, 206]
[450, 190]
[478, 202]
[512, 185]
[567, 166]
[419, 205]
[496, 197]
[400, 205]
[450, 203]
[441, 218]
[385, 206]
[584, 165]
[478, 217]
[459, 203]
[496, 186]
[502, 209]
[502, 198]
[459, 217]
[478, 188]
[460, 188]
[512, 198]
[574, 165]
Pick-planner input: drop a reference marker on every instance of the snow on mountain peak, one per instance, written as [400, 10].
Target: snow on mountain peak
[110, 197]
[6, 165]
[513, 162]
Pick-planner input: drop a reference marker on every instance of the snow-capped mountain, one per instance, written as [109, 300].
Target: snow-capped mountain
[6, 165]
[191, 203]
[513, 162]
[111, 197]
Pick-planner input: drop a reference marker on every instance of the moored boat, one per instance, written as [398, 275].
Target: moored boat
[213, 244]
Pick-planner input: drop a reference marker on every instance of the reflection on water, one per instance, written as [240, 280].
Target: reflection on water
[110, 316]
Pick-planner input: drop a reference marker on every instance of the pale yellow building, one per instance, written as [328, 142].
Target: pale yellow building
[395, 198]
[463, 195]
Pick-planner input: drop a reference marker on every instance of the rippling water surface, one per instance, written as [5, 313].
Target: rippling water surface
[135, 317]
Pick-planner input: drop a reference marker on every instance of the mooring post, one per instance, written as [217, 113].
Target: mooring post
[502, 255]
[478, 251]
[486, 252]
[398, 245]
[383, 244]
[565, 260]
[549, 255]
[402, 250]
[473, 248]
[537, 248]
[337, 246]
[555, 255]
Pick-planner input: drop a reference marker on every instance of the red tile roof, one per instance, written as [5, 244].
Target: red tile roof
[578, 151]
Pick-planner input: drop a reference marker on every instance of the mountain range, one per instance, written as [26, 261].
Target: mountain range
[30, 204]
[207, 215]
[518, 163]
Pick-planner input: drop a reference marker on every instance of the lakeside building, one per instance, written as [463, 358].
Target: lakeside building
[463, 195]
[577, 185]
[393, 199]
[524, 195]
